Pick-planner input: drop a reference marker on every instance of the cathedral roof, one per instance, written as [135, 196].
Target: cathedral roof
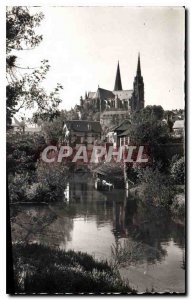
[104, 94]
[91, 95]
[123, 95]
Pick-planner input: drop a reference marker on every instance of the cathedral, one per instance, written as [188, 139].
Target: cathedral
[118, 104]
[118, 98]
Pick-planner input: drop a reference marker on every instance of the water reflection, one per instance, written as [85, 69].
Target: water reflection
[109, 225]
[41, 225]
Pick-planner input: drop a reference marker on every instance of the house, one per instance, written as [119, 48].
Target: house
[82, 132]
[118, 136]
[23, 127]
[16, 126]
[32, 129]
[124, 138]
[178, 128]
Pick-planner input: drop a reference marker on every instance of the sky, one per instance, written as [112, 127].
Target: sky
[84, 44]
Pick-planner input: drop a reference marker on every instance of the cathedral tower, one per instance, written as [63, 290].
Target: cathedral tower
[137, 102]
[118, 84]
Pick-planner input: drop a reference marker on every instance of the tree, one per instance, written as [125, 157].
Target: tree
[53, 128]
[153, 112]
[26, 91]
[146, 126]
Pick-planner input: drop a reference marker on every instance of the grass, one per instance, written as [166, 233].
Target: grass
[39, 269]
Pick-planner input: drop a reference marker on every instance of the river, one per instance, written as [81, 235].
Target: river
[147, 245]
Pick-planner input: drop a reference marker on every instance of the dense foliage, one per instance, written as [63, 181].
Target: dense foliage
[37, 182]
[157, 187]
[178, 170]
[146, 126]
[23, 151]
[46, 184]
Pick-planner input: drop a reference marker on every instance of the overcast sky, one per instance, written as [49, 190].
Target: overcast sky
[83, 45]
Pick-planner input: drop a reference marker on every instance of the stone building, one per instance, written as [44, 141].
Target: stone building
[78, 132]
[119, 103]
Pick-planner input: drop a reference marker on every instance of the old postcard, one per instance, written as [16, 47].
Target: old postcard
[95, 150]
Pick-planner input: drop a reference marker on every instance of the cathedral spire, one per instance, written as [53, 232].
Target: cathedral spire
[139, 66]
[138, 101]
[118, 84]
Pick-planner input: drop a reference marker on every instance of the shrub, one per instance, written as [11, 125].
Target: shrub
[37, 192]
[25, 142]
[178, 170]
[157, 187]
[46, 184]
[52, 180]
[17, 185]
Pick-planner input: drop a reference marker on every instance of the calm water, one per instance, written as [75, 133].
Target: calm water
[146, 244]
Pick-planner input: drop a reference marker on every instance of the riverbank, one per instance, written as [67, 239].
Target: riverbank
[177, 207]
[57, 271]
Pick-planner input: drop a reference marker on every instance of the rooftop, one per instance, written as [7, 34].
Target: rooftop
[124, 95]
[178, 124]
[123, 126]
[106, 94]
[83, 126]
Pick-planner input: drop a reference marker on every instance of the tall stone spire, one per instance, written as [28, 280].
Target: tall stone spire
[137, 101]
[139, 66]
[118, 84]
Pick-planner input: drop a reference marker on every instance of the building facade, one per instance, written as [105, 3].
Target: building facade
[78, 132]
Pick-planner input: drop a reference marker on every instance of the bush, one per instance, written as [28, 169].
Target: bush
[178, 170]
[39, 269]
[157, 187]
[17, 186]
[36, 192]
[46, 184]
[52, 179]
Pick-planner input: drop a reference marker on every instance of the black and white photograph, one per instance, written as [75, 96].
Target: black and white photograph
[95, 150]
